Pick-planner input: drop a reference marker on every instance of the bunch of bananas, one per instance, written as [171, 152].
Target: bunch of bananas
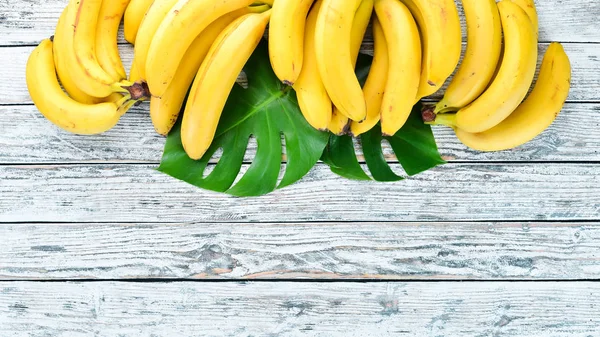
[417, 45]
[197, 48]
[485, 101]
[83, 53]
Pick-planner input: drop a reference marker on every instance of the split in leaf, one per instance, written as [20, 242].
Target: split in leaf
[413, 145]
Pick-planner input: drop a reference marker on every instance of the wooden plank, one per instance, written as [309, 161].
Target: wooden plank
[299, 309]
[138, 193]
[584, 59]
[28, 138]
[385, 251]
[27, 22]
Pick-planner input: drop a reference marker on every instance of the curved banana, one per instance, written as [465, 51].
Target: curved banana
[107, 51]
[340, 124]
[134, 14]
[404, 55]
[533, 116]
[441, 36]
[286, 38]
[529, 7]
[183, 23]
[59, 108]
[83, 64]
[63, 42]
[164, 110]
[374, 87]
[215, 79]
[310, 91]
[332, 46]
[514, 77]
[484, 41]
[152, 20]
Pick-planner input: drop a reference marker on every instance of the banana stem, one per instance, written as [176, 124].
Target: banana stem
[261, 2]
[442, 119]
[123, 109]
[120, 87]
[259, 8]
[137, 91]
[439, 109]
[123, 100]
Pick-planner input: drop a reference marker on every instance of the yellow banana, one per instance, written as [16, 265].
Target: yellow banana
[107, 28]
[134, 14]
[441, 37]
[152, 20]
[533, 116]
[215, 79]
[164, 110]
[286, 38]
[83, 64]
[404, 55]
[529, 7]
[374, 87]
[59, 108]
[134, 74]
[63, 42]
[514, 77]
[310, 91]
[332, 46]
[340, 124]
[484, 41]
[182, 24]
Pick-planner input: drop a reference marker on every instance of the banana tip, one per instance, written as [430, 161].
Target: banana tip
[428, 115]
[139, 91]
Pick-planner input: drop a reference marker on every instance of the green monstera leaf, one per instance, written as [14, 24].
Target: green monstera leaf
[414, 146]
[264, 110]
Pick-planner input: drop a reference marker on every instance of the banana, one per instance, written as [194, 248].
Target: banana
[484, 41]
[59, 108]
[529, 7]
[441, 36]
[107, 28]
[310, 91]
[182, 24]
[152, 20]
[404, 55]
[62, 43]
[340, 124]
[164, 110]
[215, 79]
[533, 116]
[134, 14]
[514, 77]
[134, 74]
[374, 87]
[332, 46]
[286, 38]
[81, 22]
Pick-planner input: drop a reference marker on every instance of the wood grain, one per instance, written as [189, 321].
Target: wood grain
[584, 58]
[29, 21]
[299, 309]
[390, 251]
[28, 138]
[138, 193]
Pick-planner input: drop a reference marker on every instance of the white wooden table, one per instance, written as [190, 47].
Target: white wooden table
[95, 242]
